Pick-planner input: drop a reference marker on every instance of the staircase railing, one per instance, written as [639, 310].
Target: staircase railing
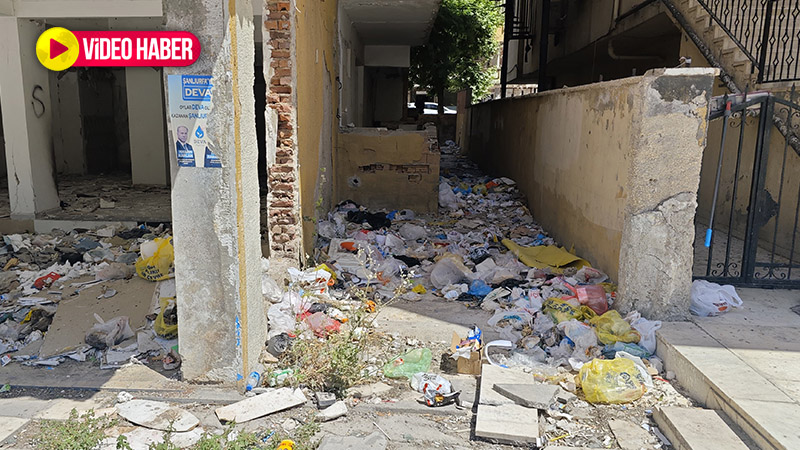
[767, 31]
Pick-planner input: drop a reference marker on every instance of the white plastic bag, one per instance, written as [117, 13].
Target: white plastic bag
[712, 299]
[582, 335]
[447, 199]
[646, 328]
[449, 270]
[106, 334]
[517, 318]
[422, 382]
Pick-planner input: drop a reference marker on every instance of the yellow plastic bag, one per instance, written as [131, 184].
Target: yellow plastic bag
[611, 328]
[157, 266]
[611, 381]
[561, 311]
[160, 326]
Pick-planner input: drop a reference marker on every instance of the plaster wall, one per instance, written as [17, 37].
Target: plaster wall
[316, 102]
[146, 124]
[387, 55]
[390, 170]
[611, 170]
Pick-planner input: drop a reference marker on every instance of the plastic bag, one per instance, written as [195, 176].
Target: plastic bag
[593, 296]
[611, 381]
[422, 382]
[611, 328]
[579, 333]
[447, 199]
[322, 325]
[409, 363]
[560, 310]
[156, 260]
[517, 318]
[712, 299]
[413, 232]
[106, 334]
[646, 328]
[449, 270]
[160, 326]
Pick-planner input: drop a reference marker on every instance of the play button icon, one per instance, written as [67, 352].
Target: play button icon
[57, 48]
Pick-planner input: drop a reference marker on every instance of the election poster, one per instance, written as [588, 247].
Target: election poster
[189, 105]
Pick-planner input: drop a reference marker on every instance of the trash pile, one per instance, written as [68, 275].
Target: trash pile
[551, 311]
[46, 272]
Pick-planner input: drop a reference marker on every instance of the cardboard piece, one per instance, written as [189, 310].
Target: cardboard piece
[466, 366]
[75, 315]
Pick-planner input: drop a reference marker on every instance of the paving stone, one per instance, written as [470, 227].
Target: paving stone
[696, 429]
[261, 405]
[631, 436]
[9, 426]
[374, 441]
[157, 415]
[507, 423]
[538, 396]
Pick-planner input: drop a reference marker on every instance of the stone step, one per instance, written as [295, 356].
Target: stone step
[696, 429]
[718, 379]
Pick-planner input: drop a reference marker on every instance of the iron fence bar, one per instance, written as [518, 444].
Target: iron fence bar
[780, 197]
[759, 172]
[797, 207]
[715, 16]
[735, 189]
[762, 60]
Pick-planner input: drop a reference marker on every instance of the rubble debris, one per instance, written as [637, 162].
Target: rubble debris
[538, 396]
[369, 390]
[332, 412]
[157, 415]
[324, 399]
[261, 405]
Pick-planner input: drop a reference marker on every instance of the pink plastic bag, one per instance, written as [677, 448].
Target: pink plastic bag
[593, 296]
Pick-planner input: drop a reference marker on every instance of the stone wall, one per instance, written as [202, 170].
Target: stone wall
[611, 169]
[283, 200]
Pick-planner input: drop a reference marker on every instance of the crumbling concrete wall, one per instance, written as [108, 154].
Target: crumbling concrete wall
[381, 169]
[611, 169]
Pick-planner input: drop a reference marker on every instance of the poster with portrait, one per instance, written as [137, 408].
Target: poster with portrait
[189, 105]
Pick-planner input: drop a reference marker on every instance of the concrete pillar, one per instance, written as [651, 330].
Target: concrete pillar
[146, 125]
[656, 250]
[215, 211]
[68, 144]
[25, 97]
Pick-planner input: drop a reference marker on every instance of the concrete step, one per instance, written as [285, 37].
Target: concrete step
[719, 379]
[696, 429]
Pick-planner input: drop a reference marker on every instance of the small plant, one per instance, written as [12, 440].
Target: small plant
[78, 432]
[225, 441]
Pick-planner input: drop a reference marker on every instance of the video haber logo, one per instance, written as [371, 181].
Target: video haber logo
[59, 49]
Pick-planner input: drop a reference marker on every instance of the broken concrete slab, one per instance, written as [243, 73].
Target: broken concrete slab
[261, 405]
[332, 412]
[374, 441]
[324, 399]
[498, 375]
[630, 436]
[696, 429]
[508, 423]
[157, 415]
[539, 396]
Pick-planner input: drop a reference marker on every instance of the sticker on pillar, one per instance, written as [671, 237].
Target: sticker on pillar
[189, 105]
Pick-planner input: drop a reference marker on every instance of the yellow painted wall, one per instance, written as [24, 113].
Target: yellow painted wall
[316, 108]
[570, 152]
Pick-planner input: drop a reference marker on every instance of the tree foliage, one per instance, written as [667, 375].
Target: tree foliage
[463, 39]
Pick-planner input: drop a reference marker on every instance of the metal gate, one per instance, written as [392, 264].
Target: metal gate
[749, 197]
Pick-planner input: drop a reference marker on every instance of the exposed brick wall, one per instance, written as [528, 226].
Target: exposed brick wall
[283, 201]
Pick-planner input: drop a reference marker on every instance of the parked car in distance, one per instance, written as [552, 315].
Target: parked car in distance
[432, 108]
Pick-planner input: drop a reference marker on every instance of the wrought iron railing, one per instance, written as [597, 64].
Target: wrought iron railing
[767, 31]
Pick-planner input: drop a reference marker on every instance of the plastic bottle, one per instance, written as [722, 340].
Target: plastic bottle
[254, 380]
